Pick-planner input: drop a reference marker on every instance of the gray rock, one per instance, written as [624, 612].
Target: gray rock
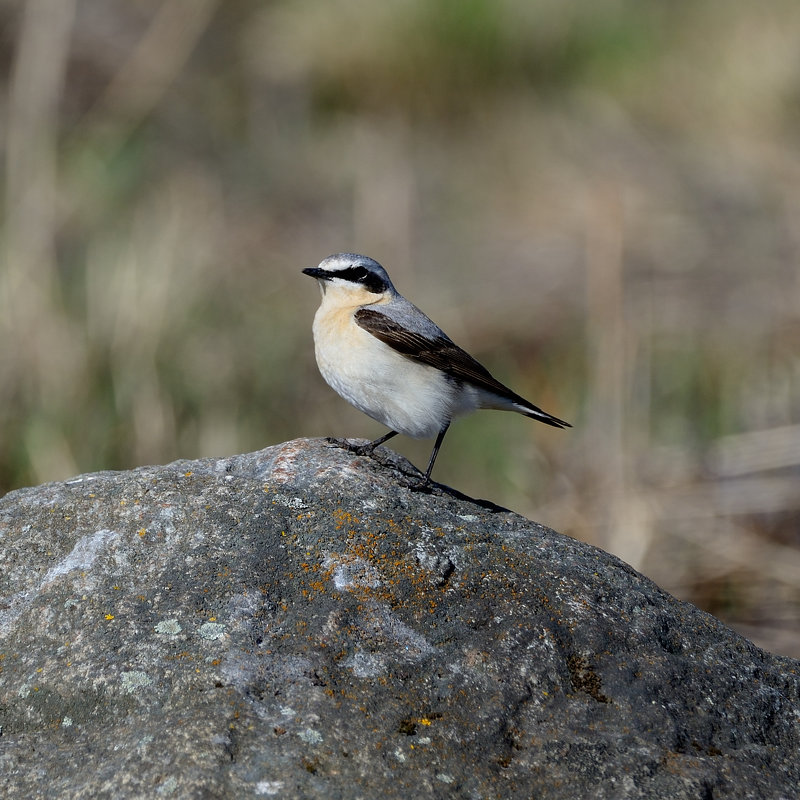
[298, 623]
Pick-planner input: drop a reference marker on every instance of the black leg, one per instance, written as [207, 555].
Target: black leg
[435, 453]
[382, 439]
[366, 449]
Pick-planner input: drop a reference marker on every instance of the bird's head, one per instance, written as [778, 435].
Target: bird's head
[351, 279]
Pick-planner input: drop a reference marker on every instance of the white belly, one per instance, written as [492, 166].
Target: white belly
[407, 397]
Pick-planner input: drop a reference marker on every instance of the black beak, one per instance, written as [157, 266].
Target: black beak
[316, 272]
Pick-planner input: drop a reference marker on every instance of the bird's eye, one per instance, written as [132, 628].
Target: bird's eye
[371, 281]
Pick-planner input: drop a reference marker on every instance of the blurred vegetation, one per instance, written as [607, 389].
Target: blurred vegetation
[600, 199]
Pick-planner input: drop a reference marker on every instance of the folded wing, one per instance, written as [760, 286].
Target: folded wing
[443, 354]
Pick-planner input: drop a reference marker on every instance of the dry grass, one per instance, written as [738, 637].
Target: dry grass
[598, 199]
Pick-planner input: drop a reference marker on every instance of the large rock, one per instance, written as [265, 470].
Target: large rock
[298, 623]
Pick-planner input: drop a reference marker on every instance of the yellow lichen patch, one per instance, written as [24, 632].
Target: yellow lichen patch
[183, 655]
[344, 518]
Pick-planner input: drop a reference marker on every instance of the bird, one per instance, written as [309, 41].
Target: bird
[388, 359]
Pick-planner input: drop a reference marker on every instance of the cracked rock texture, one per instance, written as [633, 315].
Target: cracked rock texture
[297, 623]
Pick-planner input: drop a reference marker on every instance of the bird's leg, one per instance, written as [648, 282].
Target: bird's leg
[423, 484]
[381, 439]
[366, 449]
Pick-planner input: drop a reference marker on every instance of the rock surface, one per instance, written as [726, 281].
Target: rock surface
[297, 623]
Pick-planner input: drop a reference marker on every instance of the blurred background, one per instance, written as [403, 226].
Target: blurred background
[599, 199]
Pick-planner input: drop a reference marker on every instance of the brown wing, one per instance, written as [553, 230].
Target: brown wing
[440, 352]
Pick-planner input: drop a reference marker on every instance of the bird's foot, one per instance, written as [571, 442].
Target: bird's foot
[416, 484]
[347, 444]
[361, 449]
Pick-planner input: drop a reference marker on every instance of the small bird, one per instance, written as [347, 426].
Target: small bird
[389, 360]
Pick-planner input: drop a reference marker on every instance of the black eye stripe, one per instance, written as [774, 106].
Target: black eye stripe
[372, 282]
[355, 274]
